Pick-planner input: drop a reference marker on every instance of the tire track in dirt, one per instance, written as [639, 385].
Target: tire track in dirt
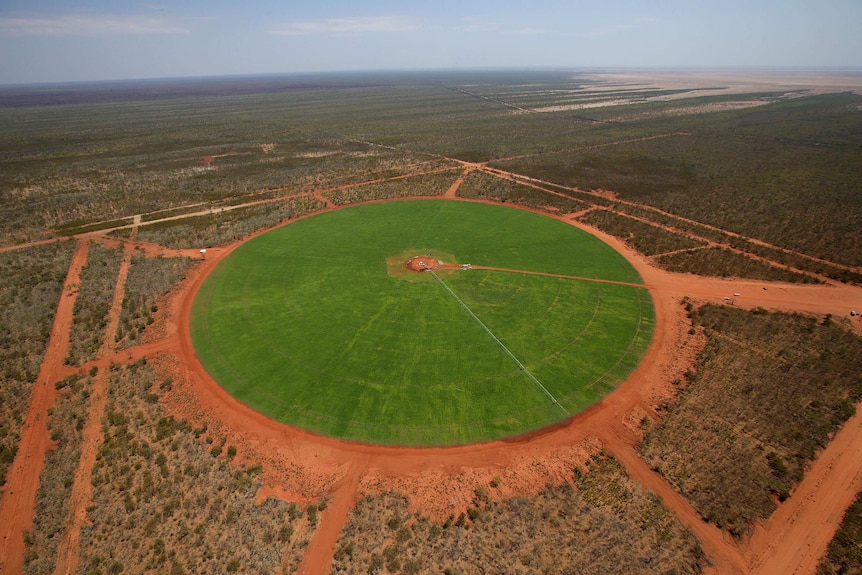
[18, 505]
[561, 276]
[327, 203]
[128, 355]
[146, 248]
[513, 107]
[680, 251]
[82, 488]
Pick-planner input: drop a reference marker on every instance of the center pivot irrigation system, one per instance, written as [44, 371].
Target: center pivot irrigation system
[387, 359]
[501, 345]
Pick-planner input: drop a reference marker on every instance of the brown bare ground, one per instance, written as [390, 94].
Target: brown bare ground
[734, 81]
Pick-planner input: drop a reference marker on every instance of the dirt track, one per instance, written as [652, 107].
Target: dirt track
[301, 466]
[427, 473]
[796, 536]
[22, 482]
[82, 487]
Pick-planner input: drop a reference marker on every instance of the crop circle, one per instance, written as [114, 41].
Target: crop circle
[323, 324]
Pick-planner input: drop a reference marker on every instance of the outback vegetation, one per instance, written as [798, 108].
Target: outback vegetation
[741, 244]
[715, 261]
[764, 185]
[434, 184]
[55, 483]
[680, 245]
[226, 225]
[781, 157]
[648, 239]
[149, 280]
[482, 186]
[844, 555]
[31, 282]
[98, 280]
[765, 396]
[164, 493]
[600, 522]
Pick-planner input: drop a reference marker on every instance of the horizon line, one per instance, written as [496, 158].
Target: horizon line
[396, 71]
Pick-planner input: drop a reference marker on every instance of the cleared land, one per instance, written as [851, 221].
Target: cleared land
[801, 384]
[732, 177]
[307, 325]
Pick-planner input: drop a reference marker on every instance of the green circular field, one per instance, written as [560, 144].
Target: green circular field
[317, 324]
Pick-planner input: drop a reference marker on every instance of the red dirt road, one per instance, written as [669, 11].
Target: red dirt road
[427, 473]
[22, 482]
[719, 546]
[436, 477]
[82, 487]
[334, 518]
[794, 539]
[304, 467]
[452, 192]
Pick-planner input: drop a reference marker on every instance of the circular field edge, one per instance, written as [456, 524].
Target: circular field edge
[422, 433]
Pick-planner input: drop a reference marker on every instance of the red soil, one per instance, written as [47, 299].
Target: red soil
[452, 192]
[422, 263]
[299, 465]
[22, 481]
[82, 486]
[303, 466]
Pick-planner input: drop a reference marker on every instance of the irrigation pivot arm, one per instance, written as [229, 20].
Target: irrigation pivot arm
[502, 346]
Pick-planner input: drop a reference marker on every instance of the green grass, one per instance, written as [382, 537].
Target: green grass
[306, 324]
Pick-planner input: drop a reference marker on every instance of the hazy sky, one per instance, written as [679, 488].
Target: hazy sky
[74, 40]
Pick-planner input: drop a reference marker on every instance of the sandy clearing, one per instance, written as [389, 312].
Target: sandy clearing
[678, 111]
[734, 81]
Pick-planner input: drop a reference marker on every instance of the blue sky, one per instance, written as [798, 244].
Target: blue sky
[83, 40]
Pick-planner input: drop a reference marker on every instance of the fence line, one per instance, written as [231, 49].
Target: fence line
[501, 345]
